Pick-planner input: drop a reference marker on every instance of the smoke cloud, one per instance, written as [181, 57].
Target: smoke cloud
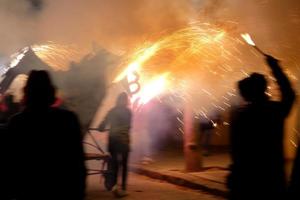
[113, 24]
[118, 26]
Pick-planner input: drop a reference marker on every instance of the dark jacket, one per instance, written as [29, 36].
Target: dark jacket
[294, 191]
[257, 171]
[47, 159]
[118, 119]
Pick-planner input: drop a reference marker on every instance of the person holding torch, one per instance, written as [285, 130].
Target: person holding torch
[256, 136]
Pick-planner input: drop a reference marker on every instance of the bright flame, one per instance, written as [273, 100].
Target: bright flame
[152, 89]
[248, 39]
[142, 56]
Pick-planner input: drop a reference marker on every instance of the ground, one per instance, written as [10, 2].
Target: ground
[141, 187]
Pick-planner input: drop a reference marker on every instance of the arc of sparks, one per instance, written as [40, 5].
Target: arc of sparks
[249, 41]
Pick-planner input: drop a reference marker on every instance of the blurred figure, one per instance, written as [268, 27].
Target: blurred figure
[8, 108]
[208, 125]
[6, 192]
[118, 119]
[294, 192]
[47, 160]
[257, 170]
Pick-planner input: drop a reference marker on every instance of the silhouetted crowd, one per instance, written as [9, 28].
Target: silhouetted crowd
[42, 154]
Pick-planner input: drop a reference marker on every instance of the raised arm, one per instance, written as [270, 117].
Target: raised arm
[286, 90]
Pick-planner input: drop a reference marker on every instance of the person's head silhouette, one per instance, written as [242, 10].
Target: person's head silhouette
[39, 91]
[253, 88]
[122, 100]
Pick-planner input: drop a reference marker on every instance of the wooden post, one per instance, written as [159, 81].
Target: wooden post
[192, 151]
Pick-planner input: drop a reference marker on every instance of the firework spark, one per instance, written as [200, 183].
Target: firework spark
[17, 57]
[198, 55]
[56, 55]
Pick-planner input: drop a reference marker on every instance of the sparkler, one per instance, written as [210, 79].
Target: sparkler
[249, 41]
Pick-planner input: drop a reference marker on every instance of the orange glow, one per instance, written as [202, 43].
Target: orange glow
[187, 60]
[197, 41]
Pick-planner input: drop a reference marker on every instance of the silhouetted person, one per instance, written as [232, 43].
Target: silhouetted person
[207, 129]
[118, 119]
[47, 160]
[257, 171]
[294, 187]
[8, 108]
[6, 191]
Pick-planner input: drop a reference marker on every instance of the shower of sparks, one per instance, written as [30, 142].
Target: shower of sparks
[194, 58]
[56, 55]
[141, 56]
[17, 57]
[14, 61]
[177, 48]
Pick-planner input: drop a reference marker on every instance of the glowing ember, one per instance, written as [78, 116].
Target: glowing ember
[248, 39]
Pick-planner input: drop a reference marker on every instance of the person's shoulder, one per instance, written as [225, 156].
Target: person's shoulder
[128, 112]
[128, 109]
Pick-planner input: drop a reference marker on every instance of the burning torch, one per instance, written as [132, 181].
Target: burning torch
[249, 41]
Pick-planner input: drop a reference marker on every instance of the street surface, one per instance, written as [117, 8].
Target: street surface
[144, 188]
